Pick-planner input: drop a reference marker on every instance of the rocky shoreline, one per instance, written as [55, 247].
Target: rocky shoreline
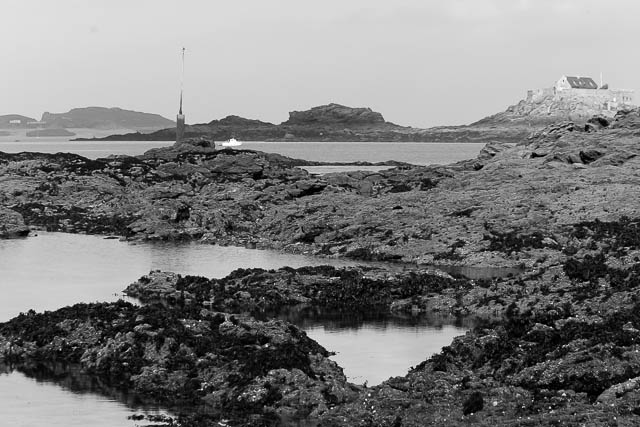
[558, 343]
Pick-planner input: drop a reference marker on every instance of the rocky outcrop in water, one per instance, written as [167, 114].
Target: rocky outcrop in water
[357, 289]
[226, 366]
[334, 114]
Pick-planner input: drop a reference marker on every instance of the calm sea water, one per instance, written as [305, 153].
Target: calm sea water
[409, 152]
[50, 270]
[37, 402]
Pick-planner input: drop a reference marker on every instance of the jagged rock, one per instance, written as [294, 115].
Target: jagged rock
[334, 114]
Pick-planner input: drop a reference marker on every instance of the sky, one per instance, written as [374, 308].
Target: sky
[420, 63]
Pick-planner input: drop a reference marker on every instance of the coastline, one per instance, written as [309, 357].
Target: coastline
[560, 343]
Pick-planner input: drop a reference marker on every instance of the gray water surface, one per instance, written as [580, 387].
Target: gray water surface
[417, 153]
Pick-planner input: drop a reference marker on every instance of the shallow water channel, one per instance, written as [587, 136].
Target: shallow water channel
[51, 270]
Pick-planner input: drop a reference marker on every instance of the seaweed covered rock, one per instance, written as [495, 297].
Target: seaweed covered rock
[257, 290]
[237, 368]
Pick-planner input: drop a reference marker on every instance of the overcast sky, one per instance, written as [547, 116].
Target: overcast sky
[418, 62]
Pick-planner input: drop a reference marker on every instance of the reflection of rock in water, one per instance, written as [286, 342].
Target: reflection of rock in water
[305, 317]
[71, 377]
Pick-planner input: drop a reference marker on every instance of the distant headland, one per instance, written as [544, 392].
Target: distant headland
[574, 99]
[87, 118]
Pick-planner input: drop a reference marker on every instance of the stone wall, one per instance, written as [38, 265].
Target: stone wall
[626, 96]
[600, 99]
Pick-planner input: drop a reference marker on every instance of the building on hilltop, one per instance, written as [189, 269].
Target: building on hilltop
[585, 91]
[568, 82]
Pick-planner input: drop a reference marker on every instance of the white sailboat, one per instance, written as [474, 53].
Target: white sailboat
[231, 143]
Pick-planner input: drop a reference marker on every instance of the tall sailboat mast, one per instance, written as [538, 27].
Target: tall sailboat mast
[180, 118]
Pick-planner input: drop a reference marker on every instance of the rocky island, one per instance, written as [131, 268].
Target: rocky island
[557, 340]
[332, 122]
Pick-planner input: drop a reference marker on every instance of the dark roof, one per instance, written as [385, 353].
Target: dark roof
[582, 83]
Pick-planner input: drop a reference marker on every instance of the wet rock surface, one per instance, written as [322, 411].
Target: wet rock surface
[559, 343]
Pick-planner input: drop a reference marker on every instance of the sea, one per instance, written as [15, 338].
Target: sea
[46, 271]
[417, 153]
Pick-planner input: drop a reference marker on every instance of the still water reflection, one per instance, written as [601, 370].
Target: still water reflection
[371, 346]
[39, 402]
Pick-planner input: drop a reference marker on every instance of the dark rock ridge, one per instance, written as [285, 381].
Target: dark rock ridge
[105, 118]
[359, 289]
[334, 114]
